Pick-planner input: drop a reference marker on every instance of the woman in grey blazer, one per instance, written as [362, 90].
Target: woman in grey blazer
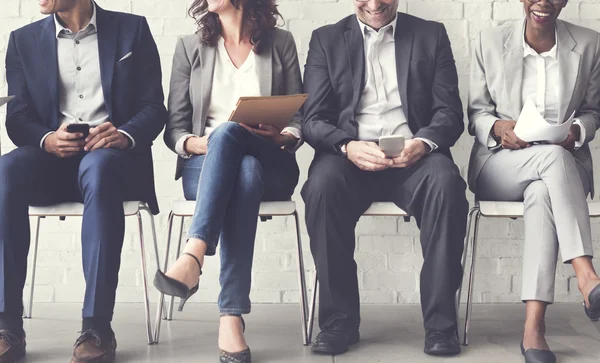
[556, 65]
[229, 168]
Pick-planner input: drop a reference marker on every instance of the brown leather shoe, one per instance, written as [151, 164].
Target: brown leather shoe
[12, 349]
[90, 348]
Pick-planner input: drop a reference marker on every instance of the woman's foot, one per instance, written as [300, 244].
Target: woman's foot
[586, 286]
[185, 269]
[534, 337]
[231, 334]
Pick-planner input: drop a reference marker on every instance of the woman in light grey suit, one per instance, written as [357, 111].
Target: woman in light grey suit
[557, 65]
[228, 168]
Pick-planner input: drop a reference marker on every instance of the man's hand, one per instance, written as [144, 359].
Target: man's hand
[574, 135]
[196, 145]
[367, 156]
[504, 129]
[106, 135]
[64, 144]
[270, 132]
[414, 150]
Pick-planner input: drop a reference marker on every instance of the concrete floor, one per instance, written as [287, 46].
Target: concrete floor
[388, 334]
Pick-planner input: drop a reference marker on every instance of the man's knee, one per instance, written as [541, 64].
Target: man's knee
[445, 179]
[99, 171]
[15, 164]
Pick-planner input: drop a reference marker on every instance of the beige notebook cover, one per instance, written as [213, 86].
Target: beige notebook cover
[272, 110]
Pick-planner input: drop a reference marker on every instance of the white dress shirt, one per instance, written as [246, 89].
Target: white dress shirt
[230, 83]
[79, 79]
[541, 84]
[379, 111]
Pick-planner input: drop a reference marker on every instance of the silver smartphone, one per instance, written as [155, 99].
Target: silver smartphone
[392, 145]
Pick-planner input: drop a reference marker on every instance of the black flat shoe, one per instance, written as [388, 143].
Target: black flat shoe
[537, 355]
[335, 341]
[238, 357]
[441, 344]
[172, 287]
[593, 312]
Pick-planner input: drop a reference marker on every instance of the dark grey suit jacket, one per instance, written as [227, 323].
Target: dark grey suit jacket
[192, 79]
[427, 80]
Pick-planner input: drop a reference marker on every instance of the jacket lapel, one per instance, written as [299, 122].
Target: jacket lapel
[356, 56]
[49, 57]
[512, 65]
[108, 30]
[264, 64]
[403, 41]
[568, 69]
[207, 64]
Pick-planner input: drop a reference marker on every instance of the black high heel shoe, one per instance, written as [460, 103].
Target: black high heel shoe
[170, 286]
[593, 312]
[238, 357]
[537, 355]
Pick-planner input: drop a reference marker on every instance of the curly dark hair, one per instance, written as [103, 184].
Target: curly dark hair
[260, 16]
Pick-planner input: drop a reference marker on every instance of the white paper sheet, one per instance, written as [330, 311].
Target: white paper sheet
[531, 126]
[4, 100]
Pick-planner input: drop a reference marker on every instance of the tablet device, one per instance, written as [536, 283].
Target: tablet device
[270, 110]
[392, 145]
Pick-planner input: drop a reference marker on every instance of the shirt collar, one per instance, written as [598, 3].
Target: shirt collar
[60, 28]
[552, 53]
[365, 28]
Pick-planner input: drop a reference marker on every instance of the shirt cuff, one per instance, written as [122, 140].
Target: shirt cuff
[179, 146]
[579, 143]
[432, 145]
[130, 138]
[44, 139]
[296, 133]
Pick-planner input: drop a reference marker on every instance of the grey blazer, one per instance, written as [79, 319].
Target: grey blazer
[192, 79]
[497, 77]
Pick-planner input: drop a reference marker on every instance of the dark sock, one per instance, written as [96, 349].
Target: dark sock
[100, 325]
[13, 324]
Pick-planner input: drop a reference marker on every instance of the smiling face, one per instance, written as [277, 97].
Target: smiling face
[56, 6]
[542, 15]
[376, 13]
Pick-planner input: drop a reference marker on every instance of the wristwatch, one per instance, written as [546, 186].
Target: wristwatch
[341, 148]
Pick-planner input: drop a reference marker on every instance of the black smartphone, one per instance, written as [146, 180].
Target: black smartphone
[82, 128]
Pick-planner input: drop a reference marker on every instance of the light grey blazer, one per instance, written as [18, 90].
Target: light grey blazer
[192, 79]
[496, 85]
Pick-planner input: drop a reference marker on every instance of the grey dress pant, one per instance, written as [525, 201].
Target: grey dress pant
[553, 187]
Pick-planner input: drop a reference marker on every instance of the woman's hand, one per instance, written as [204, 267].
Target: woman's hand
[270, 132]
[196, 145]
[504, 130]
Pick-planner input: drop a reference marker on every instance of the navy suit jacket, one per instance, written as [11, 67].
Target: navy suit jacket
[132, 88]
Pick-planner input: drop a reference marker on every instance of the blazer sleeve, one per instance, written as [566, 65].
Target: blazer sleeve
[447, 123]
[320, 110]
[589, 112]
[150, 119]
[293, 83]
[179, 122]
[23, 123]
[481, 109]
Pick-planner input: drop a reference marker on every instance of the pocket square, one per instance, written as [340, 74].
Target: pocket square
[126, 56]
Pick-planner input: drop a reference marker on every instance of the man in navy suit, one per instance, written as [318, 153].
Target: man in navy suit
[80, 65]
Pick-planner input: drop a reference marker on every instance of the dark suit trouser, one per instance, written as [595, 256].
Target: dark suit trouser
[432, 191]
[102, 180]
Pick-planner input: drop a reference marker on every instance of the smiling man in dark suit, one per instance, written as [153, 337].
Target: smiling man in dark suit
[80, 65]
[380, 73]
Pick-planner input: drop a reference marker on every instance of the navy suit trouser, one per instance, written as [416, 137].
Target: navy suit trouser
[102, 180]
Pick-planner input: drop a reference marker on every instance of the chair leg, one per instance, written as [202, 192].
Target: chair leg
[160, 308]
[301, 282]
[172, 300]
[311, 315]
[33, 267]
[145, 279]
[475, 213]
[462, 263]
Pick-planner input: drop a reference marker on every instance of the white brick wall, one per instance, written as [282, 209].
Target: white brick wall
[388, 249]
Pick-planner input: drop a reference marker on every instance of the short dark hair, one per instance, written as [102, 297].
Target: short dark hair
[260, 16]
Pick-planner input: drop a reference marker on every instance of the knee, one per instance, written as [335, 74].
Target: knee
[226, 132]
[536, 193]
[447, 182]
[555, 153]
[98, 172]
[250, 179]
[13, 168]
[324, 186]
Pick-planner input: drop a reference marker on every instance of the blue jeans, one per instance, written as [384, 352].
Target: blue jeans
[240, 170]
